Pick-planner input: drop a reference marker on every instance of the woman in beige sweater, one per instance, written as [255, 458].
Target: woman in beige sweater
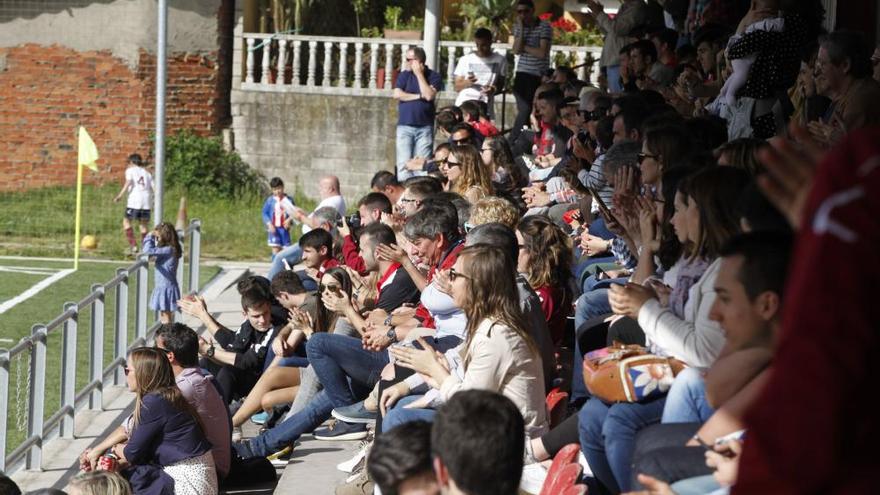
[498, 355]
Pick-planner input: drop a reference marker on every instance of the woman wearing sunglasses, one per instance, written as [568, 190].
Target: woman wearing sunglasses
[497, 354]
[165, 450]
[468, 175]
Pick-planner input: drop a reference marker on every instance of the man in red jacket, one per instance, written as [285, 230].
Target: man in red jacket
[814, 429]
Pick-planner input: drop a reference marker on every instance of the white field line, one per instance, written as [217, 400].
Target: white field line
[28, 270]
[34, 290]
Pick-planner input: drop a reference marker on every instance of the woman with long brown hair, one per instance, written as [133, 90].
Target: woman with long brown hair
[468, 175]
[498, 354]
[545, 258]
[166, 450]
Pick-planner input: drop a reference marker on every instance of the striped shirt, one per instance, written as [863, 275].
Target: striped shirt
[596, 180]
[532, 37]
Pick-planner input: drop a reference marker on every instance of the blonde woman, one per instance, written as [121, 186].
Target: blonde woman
[99, 483]
[467, 174]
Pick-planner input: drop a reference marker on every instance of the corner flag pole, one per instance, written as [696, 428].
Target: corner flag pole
[79, 187]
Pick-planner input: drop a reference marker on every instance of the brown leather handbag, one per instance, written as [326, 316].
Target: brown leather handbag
[628, 373]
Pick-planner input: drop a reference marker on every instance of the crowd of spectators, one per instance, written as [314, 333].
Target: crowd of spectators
[686, 203]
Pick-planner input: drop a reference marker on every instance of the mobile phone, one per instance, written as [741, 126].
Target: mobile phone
[601, 274]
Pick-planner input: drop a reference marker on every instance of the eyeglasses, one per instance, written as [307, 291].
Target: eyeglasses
[454, 275]
[594, 115]
[461, 142]
[441, 162]
[410, 200]
[331, 287]
[642, 157]
[450, 164]
[410, 59]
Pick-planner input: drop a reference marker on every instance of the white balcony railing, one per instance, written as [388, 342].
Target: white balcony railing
[363, 66]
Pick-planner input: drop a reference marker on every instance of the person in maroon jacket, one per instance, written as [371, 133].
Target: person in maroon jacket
[813, 430]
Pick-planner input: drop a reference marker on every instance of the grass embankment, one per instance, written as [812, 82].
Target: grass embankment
[40, 222]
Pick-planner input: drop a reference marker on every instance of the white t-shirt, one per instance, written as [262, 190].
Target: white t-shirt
[487, 71]
[337, 202]
[140, 188]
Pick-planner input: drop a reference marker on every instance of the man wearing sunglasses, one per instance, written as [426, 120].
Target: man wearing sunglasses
[532, 37]
[415, 90]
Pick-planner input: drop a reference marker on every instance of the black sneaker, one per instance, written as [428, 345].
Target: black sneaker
[340, 430]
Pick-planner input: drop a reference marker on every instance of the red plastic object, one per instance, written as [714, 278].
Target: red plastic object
[565, 457]
[556, 404]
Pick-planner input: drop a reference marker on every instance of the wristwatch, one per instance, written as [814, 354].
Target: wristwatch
[388, 319]
[210, 351]
[392, 335]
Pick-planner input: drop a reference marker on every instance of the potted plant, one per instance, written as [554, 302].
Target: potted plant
[396, 28]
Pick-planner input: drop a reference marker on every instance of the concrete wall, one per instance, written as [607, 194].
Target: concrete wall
[299, 137]
[123, 27]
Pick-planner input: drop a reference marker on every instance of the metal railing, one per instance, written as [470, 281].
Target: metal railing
[62, 421]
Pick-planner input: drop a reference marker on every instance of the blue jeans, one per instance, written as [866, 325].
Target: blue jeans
[399, 415]
[346, 370]
[590, 305]
[598, 229]
[613, 75]
[289, 430]
[608, 437]
[581, 269]
[701, 485]
[412, 142]
[686, 400]
[293, 255]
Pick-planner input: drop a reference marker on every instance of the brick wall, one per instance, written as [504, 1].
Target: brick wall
[47, 91]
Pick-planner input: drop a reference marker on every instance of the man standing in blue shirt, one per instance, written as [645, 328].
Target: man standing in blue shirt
[416, 88]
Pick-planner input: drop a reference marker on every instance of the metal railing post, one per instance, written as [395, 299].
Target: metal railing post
[181, 263]
[4, 404]
[68, 369]
[36, 402]
[140, 303]
[195, 253]
[96, 358]
[121, 342]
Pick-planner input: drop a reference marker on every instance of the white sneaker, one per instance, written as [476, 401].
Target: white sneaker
[533, 477]
[236, 434]
[350, 466]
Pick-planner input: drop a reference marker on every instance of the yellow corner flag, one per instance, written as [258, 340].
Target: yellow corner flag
[88, 152]
[87, 155]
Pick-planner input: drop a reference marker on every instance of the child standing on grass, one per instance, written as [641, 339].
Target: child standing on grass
[162, 244]
[276, 216]
[139, 186]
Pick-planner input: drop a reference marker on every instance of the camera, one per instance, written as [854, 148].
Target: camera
[353, 220]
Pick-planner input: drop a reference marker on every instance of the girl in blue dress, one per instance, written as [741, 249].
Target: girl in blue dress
[163, 245]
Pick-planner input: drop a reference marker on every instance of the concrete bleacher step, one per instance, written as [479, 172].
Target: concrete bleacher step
[61, 455]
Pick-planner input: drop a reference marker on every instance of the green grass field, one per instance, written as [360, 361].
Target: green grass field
[40, 222]
[45, 306]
